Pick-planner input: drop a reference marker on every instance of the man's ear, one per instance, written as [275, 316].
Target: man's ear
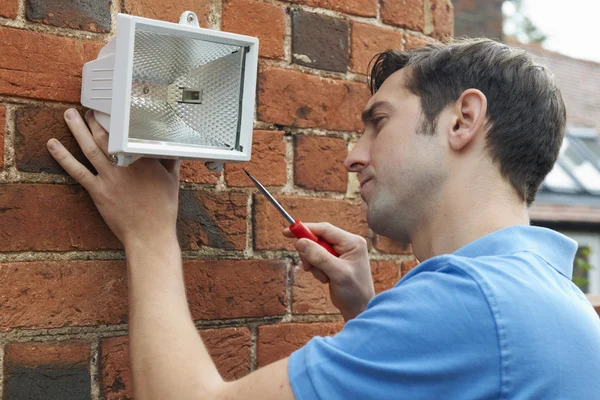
[469, 118]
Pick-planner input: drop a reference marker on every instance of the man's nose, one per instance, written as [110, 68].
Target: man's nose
[359, 157]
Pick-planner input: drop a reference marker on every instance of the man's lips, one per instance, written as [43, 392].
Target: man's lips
[362, 182]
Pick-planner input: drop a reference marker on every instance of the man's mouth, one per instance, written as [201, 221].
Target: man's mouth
[362, 182]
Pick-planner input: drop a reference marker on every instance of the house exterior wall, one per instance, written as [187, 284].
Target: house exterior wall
[63, 288]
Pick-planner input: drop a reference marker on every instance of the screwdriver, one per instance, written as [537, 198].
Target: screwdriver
[296, 226]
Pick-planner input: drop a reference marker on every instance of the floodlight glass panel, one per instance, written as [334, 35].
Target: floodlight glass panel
[185, 90]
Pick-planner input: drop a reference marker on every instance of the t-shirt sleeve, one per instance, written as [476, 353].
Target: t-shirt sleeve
[431, 336]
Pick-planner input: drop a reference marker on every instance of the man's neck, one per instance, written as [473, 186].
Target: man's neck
[465, 217]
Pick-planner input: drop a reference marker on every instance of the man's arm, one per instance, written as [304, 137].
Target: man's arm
[139, 204]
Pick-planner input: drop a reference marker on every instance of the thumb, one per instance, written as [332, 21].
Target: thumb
[319, 258]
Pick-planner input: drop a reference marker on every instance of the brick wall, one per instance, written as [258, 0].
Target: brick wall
[63, 319]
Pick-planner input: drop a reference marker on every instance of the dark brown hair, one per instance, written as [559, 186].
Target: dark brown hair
[526, 114]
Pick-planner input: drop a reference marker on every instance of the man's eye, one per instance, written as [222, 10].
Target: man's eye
[378, 121]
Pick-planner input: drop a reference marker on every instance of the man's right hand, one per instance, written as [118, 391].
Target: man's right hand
[349, 276]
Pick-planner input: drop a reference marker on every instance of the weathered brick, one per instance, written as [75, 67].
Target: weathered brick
[268, 223]
[442, 14]
[320, 41]
[2, 130]
[205, 219]
[275, 342]
[292, 98]
[265, 21]
[9, 8]
[88, 15]
[369, 40]
[168, 11]
[267, 164]
[57, 294]
[235, 288]
[319, 163]
[197, 172]
[213, 219]
[228, 347]
[408, 14]
[86, 293]
[406, 266]
[365, 8]
[51, 217]
[387, 245]
[34, 127]
[47, 370]
[43, 66]
[310, 296]
[412, 41]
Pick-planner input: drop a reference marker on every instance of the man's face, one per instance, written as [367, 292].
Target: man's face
[400, 169]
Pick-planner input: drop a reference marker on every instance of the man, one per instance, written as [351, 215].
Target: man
[457, 140]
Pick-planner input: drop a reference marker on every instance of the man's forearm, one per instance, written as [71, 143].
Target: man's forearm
[167, 355]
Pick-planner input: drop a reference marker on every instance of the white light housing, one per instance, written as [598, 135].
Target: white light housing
[169, 90]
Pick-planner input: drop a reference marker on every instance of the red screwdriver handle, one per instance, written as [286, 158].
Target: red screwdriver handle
[302, 232]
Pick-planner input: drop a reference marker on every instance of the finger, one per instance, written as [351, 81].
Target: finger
[172, 166]
[86, 141]
[73, 167]
[287, 233]
[320, 258]
[319, 275]
[331, 233]
[99, 133]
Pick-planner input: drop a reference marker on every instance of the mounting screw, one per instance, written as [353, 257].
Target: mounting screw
[190, 18]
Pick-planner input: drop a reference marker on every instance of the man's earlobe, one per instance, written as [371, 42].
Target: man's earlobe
[469, 118]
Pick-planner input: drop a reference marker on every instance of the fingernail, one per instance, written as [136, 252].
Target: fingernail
[52, 144]
[70, 114]
[301, 246]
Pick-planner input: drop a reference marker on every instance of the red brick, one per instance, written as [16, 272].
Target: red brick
[268, 223]
[275, 342]
[319, 163]
[309, 296]
[9, 8]
[412, 41]
[228, 347]
[365, 8]
[385, 274]
[57, 294]
[369, 40]
[406, 266]
[2, 130]
[442, 14]
[267, 164]
[43, 66]
[34, 127]
[58, 369]
[212, 219]
[265, 21]
[51, 217]
[292, 98]
[387, 245]
[168, 11]
[235, 288]
[197, 172]
[91, 16]
[408, 14]
[86, 293]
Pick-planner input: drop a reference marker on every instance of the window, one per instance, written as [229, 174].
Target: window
[586, 269]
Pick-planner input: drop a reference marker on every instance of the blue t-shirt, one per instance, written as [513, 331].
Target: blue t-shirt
[498, 319]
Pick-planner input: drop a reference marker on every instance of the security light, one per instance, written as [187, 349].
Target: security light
[169, 90]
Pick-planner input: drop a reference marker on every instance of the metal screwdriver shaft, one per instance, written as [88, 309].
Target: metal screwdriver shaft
[271, 199]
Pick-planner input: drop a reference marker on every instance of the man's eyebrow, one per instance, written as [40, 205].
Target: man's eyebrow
[367, 115]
